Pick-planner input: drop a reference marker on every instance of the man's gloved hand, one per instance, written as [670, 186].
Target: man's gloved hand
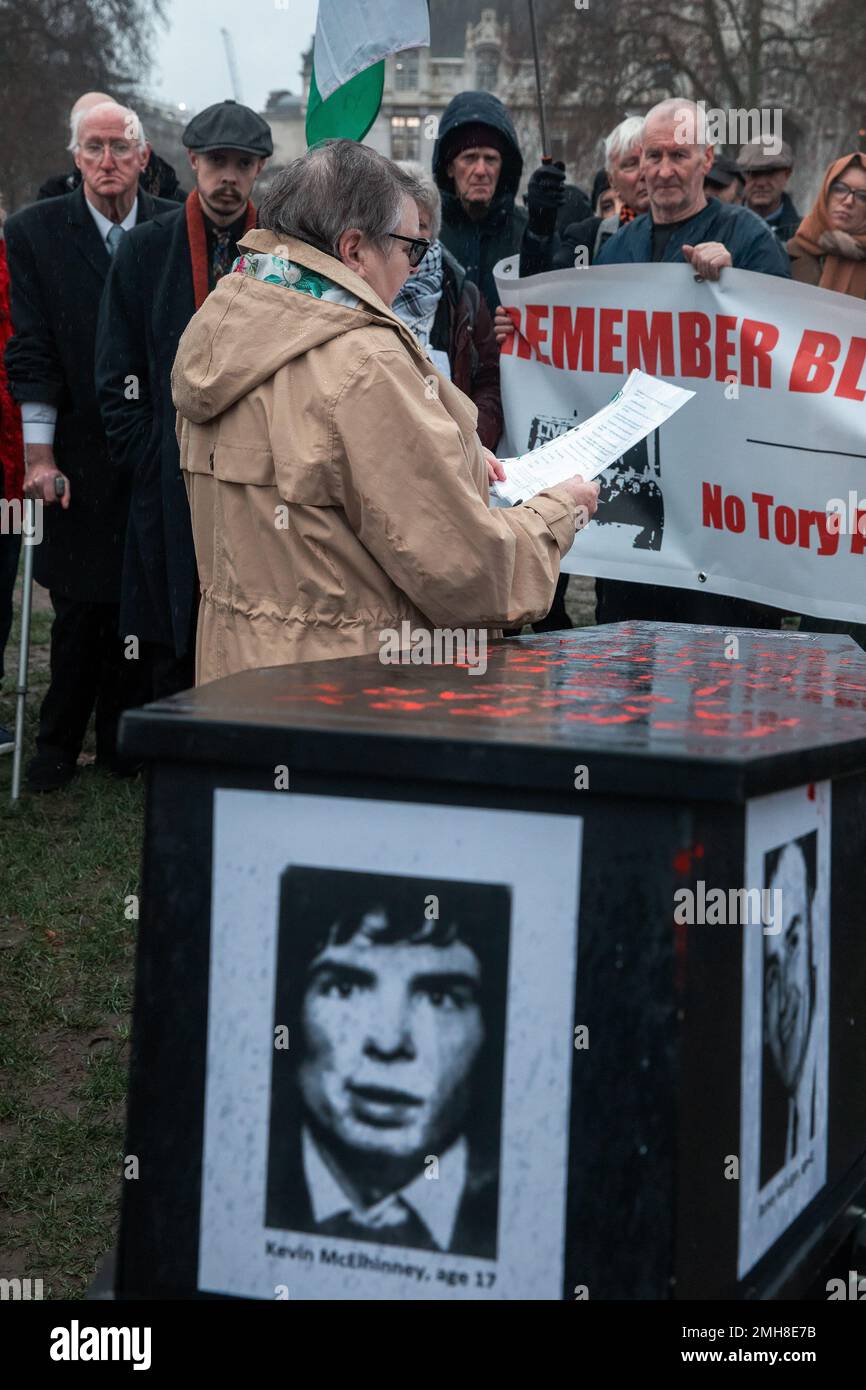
[545, 196]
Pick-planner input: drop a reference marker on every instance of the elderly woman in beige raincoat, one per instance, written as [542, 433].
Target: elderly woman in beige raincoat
[336, 482]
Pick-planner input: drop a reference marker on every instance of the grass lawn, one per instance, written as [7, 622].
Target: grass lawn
[67, 862]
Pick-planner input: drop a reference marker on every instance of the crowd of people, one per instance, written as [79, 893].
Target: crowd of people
[226, 409]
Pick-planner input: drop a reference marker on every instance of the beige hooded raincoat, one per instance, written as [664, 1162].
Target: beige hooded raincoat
[336, 482]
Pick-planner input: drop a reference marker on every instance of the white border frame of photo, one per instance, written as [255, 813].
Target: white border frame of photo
[766, 1213]
[256, 835]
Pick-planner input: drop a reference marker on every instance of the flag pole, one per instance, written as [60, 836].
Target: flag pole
[545, 152]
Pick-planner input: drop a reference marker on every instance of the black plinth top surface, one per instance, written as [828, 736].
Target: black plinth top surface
[650, 708]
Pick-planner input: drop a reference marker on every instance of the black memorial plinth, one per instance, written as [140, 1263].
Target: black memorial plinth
[582, 933]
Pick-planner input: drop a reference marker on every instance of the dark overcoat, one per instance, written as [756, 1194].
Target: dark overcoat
[58, 264]
[148, 302]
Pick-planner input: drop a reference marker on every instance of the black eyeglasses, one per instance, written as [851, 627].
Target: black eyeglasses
[418, 247]
[843, 190]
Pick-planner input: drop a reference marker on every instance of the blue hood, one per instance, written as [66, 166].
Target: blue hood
[471, 108]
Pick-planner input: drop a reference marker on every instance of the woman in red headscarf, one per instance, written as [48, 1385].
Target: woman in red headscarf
[829, 248]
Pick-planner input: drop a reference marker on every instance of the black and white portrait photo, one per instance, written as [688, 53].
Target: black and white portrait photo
[391, 1013]
[785, 1016]
[788, 1074]
[630, 490]
[386, 1106]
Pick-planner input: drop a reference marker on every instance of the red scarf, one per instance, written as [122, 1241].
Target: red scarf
[197, 236]
[11, 446]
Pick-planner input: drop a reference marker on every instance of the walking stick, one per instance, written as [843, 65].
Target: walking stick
[28, 529]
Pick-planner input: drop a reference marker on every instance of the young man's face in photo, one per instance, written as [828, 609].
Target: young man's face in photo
[392, 1033]
[787, 970]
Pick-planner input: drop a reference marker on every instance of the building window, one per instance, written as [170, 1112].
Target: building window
[487, 69]
[406, 71]
[405, 137]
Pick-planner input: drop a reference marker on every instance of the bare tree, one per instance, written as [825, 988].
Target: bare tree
[52, 51]
[803, 57]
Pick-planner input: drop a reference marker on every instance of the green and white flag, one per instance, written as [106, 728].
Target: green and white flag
[352, 42]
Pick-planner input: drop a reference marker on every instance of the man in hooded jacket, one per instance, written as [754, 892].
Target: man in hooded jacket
[477, 165]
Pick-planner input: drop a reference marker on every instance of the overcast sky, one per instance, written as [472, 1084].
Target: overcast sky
[190, 62]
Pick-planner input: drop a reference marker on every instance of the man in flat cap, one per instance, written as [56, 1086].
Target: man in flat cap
[157, 282]
[767, 164]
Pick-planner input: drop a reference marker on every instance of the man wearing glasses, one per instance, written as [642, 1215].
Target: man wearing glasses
[59, 254]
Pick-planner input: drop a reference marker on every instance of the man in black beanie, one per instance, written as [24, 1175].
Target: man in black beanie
[477, 165]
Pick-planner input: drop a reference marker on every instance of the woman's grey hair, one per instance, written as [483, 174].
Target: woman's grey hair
[622, 139]
[432, 199]
[134, 127]
[336, 185]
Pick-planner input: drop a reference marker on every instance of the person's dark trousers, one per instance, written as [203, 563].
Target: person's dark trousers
[89, 674]
[169, 673]
[10, 547]
[619, 601]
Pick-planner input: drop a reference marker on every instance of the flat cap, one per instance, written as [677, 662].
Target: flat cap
[723, 172]
[765, 153]
[229, 126]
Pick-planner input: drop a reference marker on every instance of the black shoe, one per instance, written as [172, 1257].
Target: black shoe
[7, 740]
[48, 774]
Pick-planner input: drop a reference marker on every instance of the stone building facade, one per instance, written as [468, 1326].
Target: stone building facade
[419, 83]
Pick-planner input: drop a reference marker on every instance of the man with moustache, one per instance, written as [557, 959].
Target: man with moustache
[160, 278]
[396, 1024]
[60, 251]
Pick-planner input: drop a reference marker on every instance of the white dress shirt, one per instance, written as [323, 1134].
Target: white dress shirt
[435, 1201]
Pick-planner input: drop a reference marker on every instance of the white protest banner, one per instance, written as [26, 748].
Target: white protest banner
[757, 488]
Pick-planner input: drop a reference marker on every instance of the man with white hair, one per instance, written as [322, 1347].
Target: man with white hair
[158, 177]
[59, 253]
[683, 225]
[581, 242]
[680, 222]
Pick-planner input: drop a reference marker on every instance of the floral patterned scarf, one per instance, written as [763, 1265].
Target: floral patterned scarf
[276, 270]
